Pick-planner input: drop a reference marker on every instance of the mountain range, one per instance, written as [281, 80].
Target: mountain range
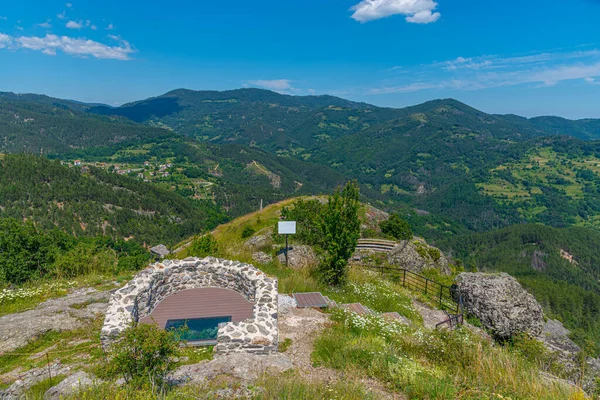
[498, 192]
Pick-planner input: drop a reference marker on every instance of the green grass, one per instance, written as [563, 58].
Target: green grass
[37, 391]
[430, 364]
[195, 354]
[287, 386]
[33, 293]
[285, 345]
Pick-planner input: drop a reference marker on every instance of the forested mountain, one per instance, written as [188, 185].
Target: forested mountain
[38, 124]
[560, 266]
[235, 177]
[94, 202]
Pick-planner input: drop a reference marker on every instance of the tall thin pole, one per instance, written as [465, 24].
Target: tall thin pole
[286, 251]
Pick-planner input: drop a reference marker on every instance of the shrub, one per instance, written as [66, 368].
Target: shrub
[396, 227]
[247, 232]
[307, 215]
[204, 246]
[143, 356]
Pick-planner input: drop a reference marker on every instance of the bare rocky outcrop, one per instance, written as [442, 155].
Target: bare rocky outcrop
[417, 256]
[243, 366]
[556, 339]
[501, 303]
[258, 242]
[69, 386]
[29, 378]
[299, 256]
[16, 330]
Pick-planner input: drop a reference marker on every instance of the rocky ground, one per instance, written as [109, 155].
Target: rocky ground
[61, 314]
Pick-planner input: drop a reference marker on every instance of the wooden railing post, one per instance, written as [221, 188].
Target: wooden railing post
[404, 279]
[426, 281]
[441, 288]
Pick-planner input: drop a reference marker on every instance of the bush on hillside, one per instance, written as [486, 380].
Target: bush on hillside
[396, 227]
[307, 214]
[247, 232]
[340, 229]
[204, 246]
[144, 356]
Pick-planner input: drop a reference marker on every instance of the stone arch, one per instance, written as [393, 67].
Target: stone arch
[138, 298]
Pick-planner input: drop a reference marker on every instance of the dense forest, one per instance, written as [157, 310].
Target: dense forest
[97, 202]
[561, 267]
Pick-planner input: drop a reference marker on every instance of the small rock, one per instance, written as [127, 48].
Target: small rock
[262, 257]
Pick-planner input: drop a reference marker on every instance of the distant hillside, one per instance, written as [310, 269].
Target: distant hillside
[441, 156]
[235, 177]
[97, 202]
[40, 124]
[560, 266]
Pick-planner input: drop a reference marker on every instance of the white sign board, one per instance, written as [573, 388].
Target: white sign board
[286, 227]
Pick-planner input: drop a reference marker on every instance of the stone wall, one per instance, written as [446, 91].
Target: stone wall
[138, 298]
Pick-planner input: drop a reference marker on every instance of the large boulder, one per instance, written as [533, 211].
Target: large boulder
[501, 303]
[417, 256]
[299, 256]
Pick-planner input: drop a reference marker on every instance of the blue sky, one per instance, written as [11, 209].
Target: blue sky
[528, 57]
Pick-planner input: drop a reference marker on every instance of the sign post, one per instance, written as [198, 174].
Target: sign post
[286, 228]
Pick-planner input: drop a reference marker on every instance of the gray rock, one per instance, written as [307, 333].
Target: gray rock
[258, 241]
[262, 257]
[501, 303]
[247, 367]
[69, 386]
[160, 250]
[16, 330]
[417, 256]
[299, 256]
[29, 378]
[556, 337]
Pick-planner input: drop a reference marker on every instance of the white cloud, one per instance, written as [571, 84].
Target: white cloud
[46, 25]
[19, 28]
[93, 27]
[69, 5]
[311, 91]
[484, 72]
[3, 18]
[74, 25]
[5, 40]
[415, 11]
[110, 27]
[274, 84]
[81, 47]
[62, 15]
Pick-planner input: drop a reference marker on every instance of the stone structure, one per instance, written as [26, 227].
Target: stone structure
[139, 297]
[501, 303]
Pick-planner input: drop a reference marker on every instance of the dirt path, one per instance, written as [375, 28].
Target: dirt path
[303, 326]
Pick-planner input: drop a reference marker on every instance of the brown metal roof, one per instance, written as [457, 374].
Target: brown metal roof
[313, 299]
[201, 303]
